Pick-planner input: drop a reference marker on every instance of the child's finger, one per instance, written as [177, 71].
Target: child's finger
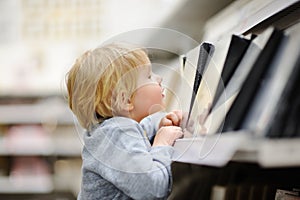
[174, 118]
[179, 114]
[167, 122]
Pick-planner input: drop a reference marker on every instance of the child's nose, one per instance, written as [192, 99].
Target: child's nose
[158, 78]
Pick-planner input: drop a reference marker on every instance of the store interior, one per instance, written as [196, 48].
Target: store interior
[41, 140]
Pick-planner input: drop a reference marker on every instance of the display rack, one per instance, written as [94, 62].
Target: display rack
[41, 132]
[241, 146]
[239, 164]
[225, 147]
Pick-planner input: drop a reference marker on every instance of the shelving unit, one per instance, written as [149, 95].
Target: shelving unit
[40, 148]
[241, 141]
[203, 166]
[239, 164]
[218, 150]
[246, 16]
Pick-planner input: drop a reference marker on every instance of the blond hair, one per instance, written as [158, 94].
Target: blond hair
[96, 81]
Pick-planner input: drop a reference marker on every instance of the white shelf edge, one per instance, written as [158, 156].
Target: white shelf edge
[35, 113]
[262, 14]
[52, 150]
[28, 184]
[213, 150]
[280, 152]
[33, 185]
[241, 16]
[218, 150]
[70, 153]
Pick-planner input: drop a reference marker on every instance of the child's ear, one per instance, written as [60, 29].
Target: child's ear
[126, 103]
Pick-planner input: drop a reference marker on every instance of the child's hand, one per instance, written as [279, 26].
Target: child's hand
[171, 119]
[167, 135]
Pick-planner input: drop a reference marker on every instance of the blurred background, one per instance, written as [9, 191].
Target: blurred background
[40, 140]
[40, 38]
[40, 143]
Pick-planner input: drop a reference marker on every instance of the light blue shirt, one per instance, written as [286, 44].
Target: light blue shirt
[120, 163]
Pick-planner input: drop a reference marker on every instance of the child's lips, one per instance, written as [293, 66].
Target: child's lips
[163, 92]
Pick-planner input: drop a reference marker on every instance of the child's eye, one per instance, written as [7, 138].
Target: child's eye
[150, 76]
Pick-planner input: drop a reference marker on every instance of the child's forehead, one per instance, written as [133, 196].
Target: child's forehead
[145, 67]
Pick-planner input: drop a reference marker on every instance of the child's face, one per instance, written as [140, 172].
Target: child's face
[148, 97]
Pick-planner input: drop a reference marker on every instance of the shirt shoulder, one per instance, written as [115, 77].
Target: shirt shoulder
[119, 132]
[121, 125]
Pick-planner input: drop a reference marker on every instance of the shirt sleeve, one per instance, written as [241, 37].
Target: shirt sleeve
[151, 124]
[123, 156]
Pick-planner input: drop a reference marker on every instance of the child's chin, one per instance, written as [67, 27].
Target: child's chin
[156, 108]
